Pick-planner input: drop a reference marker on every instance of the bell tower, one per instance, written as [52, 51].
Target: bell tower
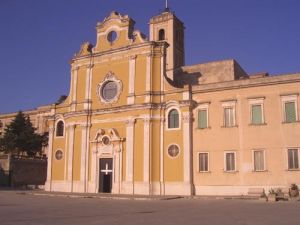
[167, 27]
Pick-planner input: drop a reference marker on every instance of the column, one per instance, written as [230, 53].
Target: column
[132, 62]
[49, 165]
[74, 88]
[89, 72]
[129, 153]
[71, 135]
[187, 147]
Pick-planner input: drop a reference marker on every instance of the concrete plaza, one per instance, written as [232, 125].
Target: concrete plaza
[24, 208]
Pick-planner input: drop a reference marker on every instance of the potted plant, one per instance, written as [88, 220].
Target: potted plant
[294, 191]
[263, 196]
[272, 195]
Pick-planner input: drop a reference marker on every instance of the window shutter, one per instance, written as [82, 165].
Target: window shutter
[228, 117]
[258, 160]
[230, 162]
[293, 160]
[256, 114]
[202, 119]
[203, 161]
[173, 119]
[290, 112]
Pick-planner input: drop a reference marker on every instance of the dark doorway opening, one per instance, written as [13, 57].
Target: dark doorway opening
[105, 175]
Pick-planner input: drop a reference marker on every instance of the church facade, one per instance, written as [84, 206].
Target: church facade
[137, 120]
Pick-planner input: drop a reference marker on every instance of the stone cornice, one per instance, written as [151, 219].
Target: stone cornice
[247, 83]
[126, 108]
[130, 49]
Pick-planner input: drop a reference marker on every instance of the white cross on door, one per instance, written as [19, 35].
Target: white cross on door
[106, 171]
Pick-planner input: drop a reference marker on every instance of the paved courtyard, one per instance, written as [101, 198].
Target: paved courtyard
[17, 208]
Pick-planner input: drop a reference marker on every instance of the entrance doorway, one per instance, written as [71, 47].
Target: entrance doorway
[105, 175]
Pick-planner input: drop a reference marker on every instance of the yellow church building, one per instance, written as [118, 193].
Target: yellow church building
[137, 120]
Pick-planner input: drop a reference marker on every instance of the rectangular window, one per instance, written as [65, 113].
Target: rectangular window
[256, 114]
[259, 160]
[293, 160]
[289, 108]
[203, 162]
[202, 118]
[290, 112]
[229, 161]
[229, 117]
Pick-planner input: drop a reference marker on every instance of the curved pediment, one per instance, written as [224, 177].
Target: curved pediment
[115, 17]
[116, 31]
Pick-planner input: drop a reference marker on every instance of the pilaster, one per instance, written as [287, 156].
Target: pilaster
[148, 78]
[187, 146]
[84, 156]
[74, 88]
[49, 167]
[88, 83]
[147, 129]
[162, 186]
[129, 153]
[71, 135]
[131, 92]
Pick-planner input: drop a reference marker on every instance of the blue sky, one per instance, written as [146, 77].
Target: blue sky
[39, 37]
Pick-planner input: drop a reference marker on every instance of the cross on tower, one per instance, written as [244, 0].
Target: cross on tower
[167, 6]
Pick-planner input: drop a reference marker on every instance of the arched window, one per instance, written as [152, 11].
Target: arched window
[1, 124]
[60, 129]
[173, 119]
[161, 35]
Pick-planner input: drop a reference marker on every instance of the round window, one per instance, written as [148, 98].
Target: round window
[109, 90]
[173, 150]
[58, 155]
[105, 140]
[112, 36]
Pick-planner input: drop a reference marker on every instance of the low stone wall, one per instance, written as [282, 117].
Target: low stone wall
[17, 172]
[4, 170]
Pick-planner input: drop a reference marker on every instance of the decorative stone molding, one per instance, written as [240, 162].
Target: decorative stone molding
[51, 129]
[75, 68]
[130, 122]
[71, 126]
[89, 66]
[186, 117]
[150, 55]
[133, 57]
[147, 120]
[85, 49]
[110, 77]
[86, 125]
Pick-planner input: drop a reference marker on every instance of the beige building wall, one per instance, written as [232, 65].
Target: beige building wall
[274, 137]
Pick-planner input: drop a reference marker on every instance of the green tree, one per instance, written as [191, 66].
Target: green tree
[20, 136]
